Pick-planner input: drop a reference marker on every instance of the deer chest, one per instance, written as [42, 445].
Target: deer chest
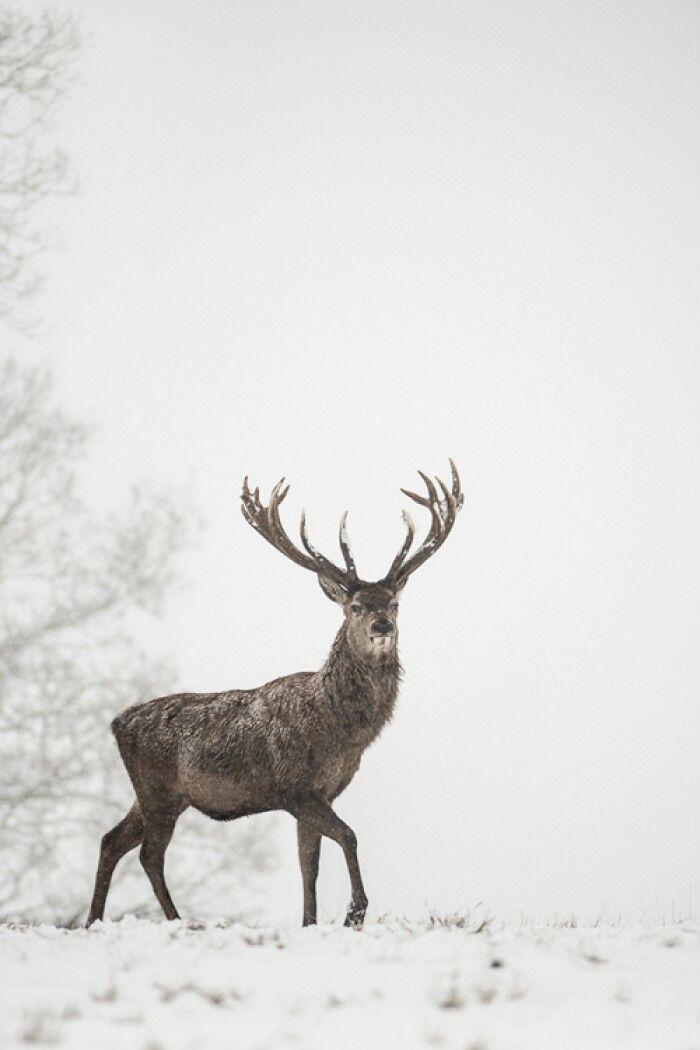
[334, 772]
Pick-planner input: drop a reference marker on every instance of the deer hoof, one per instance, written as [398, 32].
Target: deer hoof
[355, 918]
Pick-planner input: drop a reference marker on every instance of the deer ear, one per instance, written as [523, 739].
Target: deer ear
[333, 590]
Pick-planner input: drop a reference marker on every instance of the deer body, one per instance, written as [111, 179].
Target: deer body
[293, 744]
[240, 752]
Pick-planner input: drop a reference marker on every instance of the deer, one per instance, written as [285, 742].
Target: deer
[293, 744]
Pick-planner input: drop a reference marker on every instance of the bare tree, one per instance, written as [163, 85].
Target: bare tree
[37, 62]
[71, 585]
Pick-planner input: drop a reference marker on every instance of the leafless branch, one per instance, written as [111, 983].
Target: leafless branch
[37, 70]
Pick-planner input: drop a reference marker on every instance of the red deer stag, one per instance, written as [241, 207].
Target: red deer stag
[293, 744]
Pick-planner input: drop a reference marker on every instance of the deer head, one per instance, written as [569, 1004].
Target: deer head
[370, 608]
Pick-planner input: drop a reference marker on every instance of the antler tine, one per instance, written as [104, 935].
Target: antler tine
[433, 505]
[277, 495]
[248, 504]
[304, 537]
[410, 533]
[432, 491]
[344, 542]
[456, 486]
[443, 513]
[324, 564]
[414, 496]
[271, 513]
[449, 503]
[284, 544]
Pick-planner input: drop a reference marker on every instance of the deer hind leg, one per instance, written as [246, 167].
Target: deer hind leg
[157, 835]
[318, 815]
[125, 836]
[309, 844]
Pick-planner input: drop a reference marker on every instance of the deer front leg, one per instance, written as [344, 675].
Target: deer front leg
[309, 844]
[159, 824]
[318, 815]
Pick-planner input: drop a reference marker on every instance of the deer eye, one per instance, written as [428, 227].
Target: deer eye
[393, 606]
[356, 608]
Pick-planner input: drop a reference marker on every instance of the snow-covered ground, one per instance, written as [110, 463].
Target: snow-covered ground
[163, 986]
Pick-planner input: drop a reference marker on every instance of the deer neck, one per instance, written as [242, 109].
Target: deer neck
[361, 692]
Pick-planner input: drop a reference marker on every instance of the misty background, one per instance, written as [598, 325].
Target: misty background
[340, 242]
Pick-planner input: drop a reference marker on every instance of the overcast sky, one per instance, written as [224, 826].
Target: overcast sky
[339, 241]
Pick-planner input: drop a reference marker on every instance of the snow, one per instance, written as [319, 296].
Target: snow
[464, 985]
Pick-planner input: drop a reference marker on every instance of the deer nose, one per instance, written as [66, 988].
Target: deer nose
[382, 627]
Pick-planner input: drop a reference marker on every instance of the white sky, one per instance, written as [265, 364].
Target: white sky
[341, 241]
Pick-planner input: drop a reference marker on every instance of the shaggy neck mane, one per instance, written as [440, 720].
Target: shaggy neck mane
[360, 689]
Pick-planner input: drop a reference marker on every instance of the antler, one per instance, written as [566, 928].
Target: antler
[443, 511]
[266, 521]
